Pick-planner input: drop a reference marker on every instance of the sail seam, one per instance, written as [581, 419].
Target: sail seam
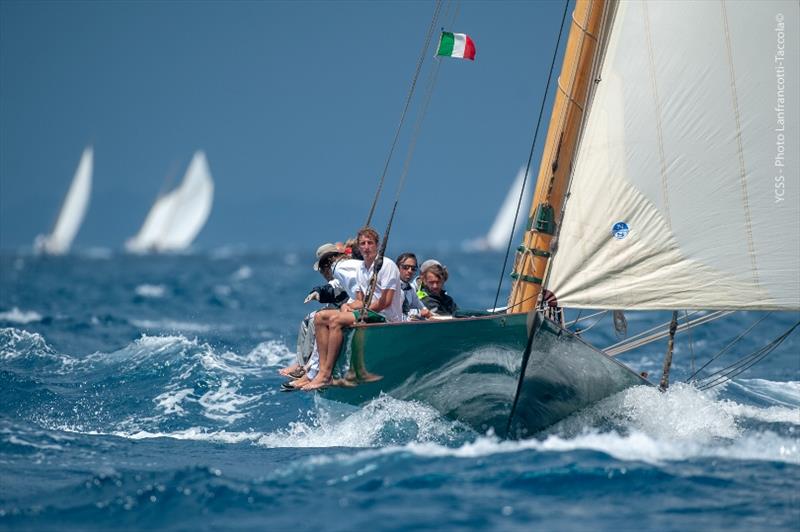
[659, 127]
[739, 149]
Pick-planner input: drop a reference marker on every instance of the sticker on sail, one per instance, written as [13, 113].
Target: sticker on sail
[620, 230]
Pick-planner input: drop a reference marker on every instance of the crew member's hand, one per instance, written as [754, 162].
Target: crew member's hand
[312, 297]
[424, 313]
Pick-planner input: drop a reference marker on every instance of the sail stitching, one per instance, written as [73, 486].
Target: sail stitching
[662, 159]
[739, 149]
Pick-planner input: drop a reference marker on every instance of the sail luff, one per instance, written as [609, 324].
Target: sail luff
[562, 137]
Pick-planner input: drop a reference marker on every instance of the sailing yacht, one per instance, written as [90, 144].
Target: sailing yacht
[503, 226]
[177, 217]
[665, 180]
[72, 210]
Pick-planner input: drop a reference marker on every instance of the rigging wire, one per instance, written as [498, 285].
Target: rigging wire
[689, 333]
[627, 345]
[725, 349]
[726, 374]
[433, 76]
[598, 320]
[421, 59]
[530, 154]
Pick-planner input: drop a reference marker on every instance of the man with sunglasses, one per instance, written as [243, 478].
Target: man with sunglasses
[413, 308]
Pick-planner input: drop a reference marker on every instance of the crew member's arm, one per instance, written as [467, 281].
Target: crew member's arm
[354, 305]
[383, 302]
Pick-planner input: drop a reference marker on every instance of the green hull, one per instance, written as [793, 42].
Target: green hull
[471, 369]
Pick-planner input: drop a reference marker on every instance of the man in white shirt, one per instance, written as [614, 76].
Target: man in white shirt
[382, 306]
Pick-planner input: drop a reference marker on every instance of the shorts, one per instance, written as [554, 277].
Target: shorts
[372, 317]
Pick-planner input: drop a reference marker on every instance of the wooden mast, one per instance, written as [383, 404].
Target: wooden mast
[571, 97]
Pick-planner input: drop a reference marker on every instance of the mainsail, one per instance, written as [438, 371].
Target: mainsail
[682, 195]
[72, 211]
[177, 217]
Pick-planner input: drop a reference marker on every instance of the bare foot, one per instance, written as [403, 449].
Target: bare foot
[369, 377]
[317, 384]
[287, 370]
[345, 383]
[299, 383]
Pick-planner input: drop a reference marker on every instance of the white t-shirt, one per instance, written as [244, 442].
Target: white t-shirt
[345, 272]
[388, 279]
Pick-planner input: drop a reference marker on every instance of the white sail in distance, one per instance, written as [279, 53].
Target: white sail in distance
[503, 226]
[685, 194]
[177, 217]
[72, 211]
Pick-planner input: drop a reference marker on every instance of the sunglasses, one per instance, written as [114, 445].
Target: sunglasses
[411, 267]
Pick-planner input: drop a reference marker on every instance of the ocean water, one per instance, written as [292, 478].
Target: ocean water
[142, 392]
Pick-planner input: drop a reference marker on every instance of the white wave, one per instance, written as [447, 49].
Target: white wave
[16, 440]
[270, 353]
[364, 427]
[179, 326]
[151, 290]
[224, 404]
[16, 342]
[170, 402]
[635, 446]
[785, 393]
[243, 273]
[16, 315]
[193, 433]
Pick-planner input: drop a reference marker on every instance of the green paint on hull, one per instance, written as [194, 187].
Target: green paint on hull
[469, 369]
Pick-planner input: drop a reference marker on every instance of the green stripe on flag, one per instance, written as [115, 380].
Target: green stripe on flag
[446, 44]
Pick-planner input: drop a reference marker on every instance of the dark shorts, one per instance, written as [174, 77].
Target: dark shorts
[372, 317]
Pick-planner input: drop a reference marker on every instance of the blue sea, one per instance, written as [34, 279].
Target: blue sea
[142, 393]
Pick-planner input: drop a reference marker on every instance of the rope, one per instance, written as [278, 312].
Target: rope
[726, 374]
[724, 349]
[530, 154]
[406, 163]
[421, 59]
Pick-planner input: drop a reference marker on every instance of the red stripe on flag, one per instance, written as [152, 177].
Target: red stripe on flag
[469, 49]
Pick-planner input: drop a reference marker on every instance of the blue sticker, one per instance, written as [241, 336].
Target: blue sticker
[620, 230]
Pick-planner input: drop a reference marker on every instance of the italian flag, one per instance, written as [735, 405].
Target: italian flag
[456, 45]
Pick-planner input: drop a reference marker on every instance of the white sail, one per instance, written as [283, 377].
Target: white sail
[685, 192]
[176, 218]
[72, 211]
[502, 228]
[155, 224]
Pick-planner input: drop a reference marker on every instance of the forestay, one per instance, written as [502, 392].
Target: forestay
[682, 194]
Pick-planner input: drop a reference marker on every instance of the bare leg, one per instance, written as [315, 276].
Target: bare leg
[334, 343]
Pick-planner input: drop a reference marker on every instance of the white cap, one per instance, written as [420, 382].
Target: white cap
[428, 263]
[322, 250]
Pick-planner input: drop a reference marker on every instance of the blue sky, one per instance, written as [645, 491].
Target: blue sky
[295, 104]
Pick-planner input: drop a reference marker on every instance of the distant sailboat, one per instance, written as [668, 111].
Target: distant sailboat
[502, 228]
[72, 211]
[177, 217]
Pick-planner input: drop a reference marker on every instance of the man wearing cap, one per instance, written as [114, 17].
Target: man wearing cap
[383, 306]
[340, 271]
[432, 292]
